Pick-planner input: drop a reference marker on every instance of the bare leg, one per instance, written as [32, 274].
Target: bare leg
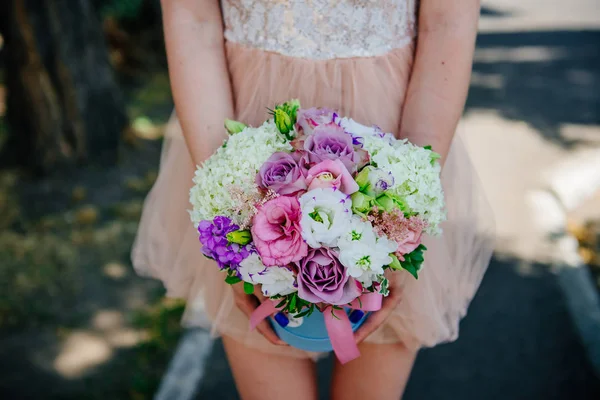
[381, 373]
[263, 376]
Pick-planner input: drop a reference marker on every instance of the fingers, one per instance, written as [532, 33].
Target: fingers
[260, 296]
[248, 303]
[377, 318]
[267, 331]
[371, 324]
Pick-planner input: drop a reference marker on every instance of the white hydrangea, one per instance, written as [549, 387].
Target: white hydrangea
[416, 181]
[235, 164]
[273, 280]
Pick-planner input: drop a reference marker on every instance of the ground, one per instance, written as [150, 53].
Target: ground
[76, 322]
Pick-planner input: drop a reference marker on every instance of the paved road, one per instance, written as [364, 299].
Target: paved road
[516, 343]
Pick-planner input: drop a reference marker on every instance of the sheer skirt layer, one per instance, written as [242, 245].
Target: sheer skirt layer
[370, 90]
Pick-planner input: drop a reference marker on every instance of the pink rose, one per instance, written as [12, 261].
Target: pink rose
[276, 232]
[331, 174]
[411, 238]
[309, 119]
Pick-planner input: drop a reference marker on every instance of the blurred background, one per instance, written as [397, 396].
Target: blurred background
[84, 100]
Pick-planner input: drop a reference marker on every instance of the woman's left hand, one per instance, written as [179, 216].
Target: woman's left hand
[378, 317]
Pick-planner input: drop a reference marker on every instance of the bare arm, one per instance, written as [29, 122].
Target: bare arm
[198, 72]
[440, 79]
[436, 93]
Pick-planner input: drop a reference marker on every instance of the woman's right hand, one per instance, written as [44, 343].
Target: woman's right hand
[247, 303]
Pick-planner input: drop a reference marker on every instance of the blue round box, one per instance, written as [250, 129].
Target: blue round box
[311, 335]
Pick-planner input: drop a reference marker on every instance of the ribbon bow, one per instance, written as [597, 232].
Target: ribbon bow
[337, 323]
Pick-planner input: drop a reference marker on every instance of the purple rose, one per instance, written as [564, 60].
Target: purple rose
[309, 119]
[330, 142]
[283, 173]
[322, 278]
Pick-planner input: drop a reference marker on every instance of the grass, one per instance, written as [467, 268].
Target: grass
[64, 258]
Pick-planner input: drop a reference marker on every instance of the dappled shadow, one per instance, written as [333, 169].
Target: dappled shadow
[517, 342]
[548, 79]
[82, 324]
[493, 12]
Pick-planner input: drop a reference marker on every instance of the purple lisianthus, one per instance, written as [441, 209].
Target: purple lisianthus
[309, 119]
[331, 142]
[213, 237]
[283, 173]
[322, 278]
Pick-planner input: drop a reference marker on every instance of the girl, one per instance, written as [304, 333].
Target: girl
[402, 65]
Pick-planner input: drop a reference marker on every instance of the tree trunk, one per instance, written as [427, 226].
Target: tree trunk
[63, 104]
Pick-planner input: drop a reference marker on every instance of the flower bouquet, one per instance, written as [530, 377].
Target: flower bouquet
[312, 208]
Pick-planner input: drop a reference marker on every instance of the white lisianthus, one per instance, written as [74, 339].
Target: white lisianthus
[326, 215]
[274, 280]
[235, 164]
[363, 253]
[359, 231]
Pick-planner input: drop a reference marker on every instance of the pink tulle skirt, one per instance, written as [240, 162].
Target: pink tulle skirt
[371, 91]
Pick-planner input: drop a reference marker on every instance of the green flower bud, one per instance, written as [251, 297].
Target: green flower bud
[389, 201]
[395, 264]
[283, 121]
[385, 202]
[361, 203]
[241, 237]
[362, 179]
[234, 127]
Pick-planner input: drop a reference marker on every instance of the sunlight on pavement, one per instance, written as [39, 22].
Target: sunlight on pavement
[81, 352]
[523, 54]
[85, 349]
[115, 270]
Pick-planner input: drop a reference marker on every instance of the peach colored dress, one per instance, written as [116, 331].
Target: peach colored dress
[350, 55]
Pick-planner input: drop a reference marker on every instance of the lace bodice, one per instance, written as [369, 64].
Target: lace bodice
[320, 29]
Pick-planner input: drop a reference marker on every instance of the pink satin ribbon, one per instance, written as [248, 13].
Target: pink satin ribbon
[338, 325]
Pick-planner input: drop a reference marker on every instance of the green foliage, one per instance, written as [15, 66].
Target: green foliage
[120, 8]
[232, 280]
[38, 278]
[412, 261]
[162, 322]
[294, 305]
[248, 288]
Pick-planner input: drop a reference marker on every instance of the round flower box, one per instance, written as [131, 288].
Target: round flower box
[311, 333]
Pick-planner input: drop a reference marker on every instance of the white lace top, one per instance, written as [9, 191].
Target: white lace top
[321, 29]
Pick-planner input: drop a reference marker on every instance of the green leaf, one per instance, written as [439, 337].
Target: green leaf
[232, 279]
[428, 147]
[411, 269]
[303, 313]
[248, 288]
[293, 301]
[384, 289]
[281, 303]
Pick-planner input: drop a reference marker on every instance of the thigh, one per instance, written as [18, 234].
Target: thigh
[263, 376]
[381, 373]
